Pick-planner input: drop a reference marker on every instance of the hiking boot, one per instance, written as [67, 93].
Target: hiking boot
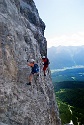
[28, 83]
[37, 74]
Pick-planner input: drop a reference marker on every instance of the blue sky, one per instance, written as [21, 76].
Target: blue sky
[64, 21]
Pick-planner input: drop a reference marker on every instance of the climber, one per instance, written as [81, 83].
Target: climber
[35, 70]
[45, 63]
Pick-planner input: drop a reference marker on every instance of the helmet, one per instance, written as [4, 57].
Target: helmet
[43, 57]
[31, 60]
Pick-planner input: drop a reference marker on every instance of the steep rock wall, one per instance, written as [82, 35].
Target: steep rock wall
[22, 38]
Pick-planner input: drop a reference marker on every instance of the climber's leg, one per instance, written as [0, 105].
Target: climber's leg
[30, 79]
[44, 69]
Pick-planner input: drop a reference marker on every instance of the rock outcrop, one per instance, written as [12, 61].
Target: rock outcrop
[22, 38]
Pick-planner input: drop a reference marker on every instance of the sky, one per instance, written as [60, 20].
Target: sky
[64, 20]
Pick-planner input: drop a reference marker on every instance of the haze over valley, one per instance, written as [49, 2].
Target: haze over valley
[66, 56]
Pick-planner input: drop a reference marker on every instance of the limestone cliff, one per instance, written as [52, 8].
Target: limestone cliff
[22, 38]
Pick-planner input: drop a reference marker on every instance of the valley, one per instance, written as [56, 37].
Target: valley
[70, 94]
[67, 72]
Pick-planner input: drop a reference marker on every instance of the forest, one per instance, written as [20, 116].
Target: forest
[70, 99]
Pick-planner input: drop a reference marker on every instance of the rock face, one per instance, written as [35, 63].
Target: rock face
[22, 38]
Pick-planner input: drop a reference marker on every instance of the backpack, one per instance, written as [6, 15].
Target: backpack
[35, 69]
[47, 62]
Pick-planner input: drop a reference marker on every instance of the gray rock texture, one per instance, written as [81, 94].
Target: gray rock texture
[22, 38]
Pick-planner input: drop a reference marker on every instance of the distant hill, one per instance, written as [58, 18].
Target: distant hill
[65, 56]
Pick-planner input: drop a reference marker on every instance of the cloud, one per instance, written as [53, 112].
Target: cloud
[75, 39]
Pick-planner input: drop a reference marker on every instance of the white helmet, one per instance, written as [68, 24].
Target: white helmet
[31, 60]
[43, 57]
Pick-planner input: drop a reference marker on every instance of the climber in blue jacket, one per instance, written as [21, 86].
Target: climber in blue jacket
[34, 69]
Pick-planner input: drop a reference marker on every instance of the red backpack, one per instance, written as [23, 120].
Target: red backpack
[46, 62]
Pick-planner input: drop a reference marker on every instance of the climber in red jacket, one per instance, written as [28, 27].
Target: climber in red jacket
[45, 63]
